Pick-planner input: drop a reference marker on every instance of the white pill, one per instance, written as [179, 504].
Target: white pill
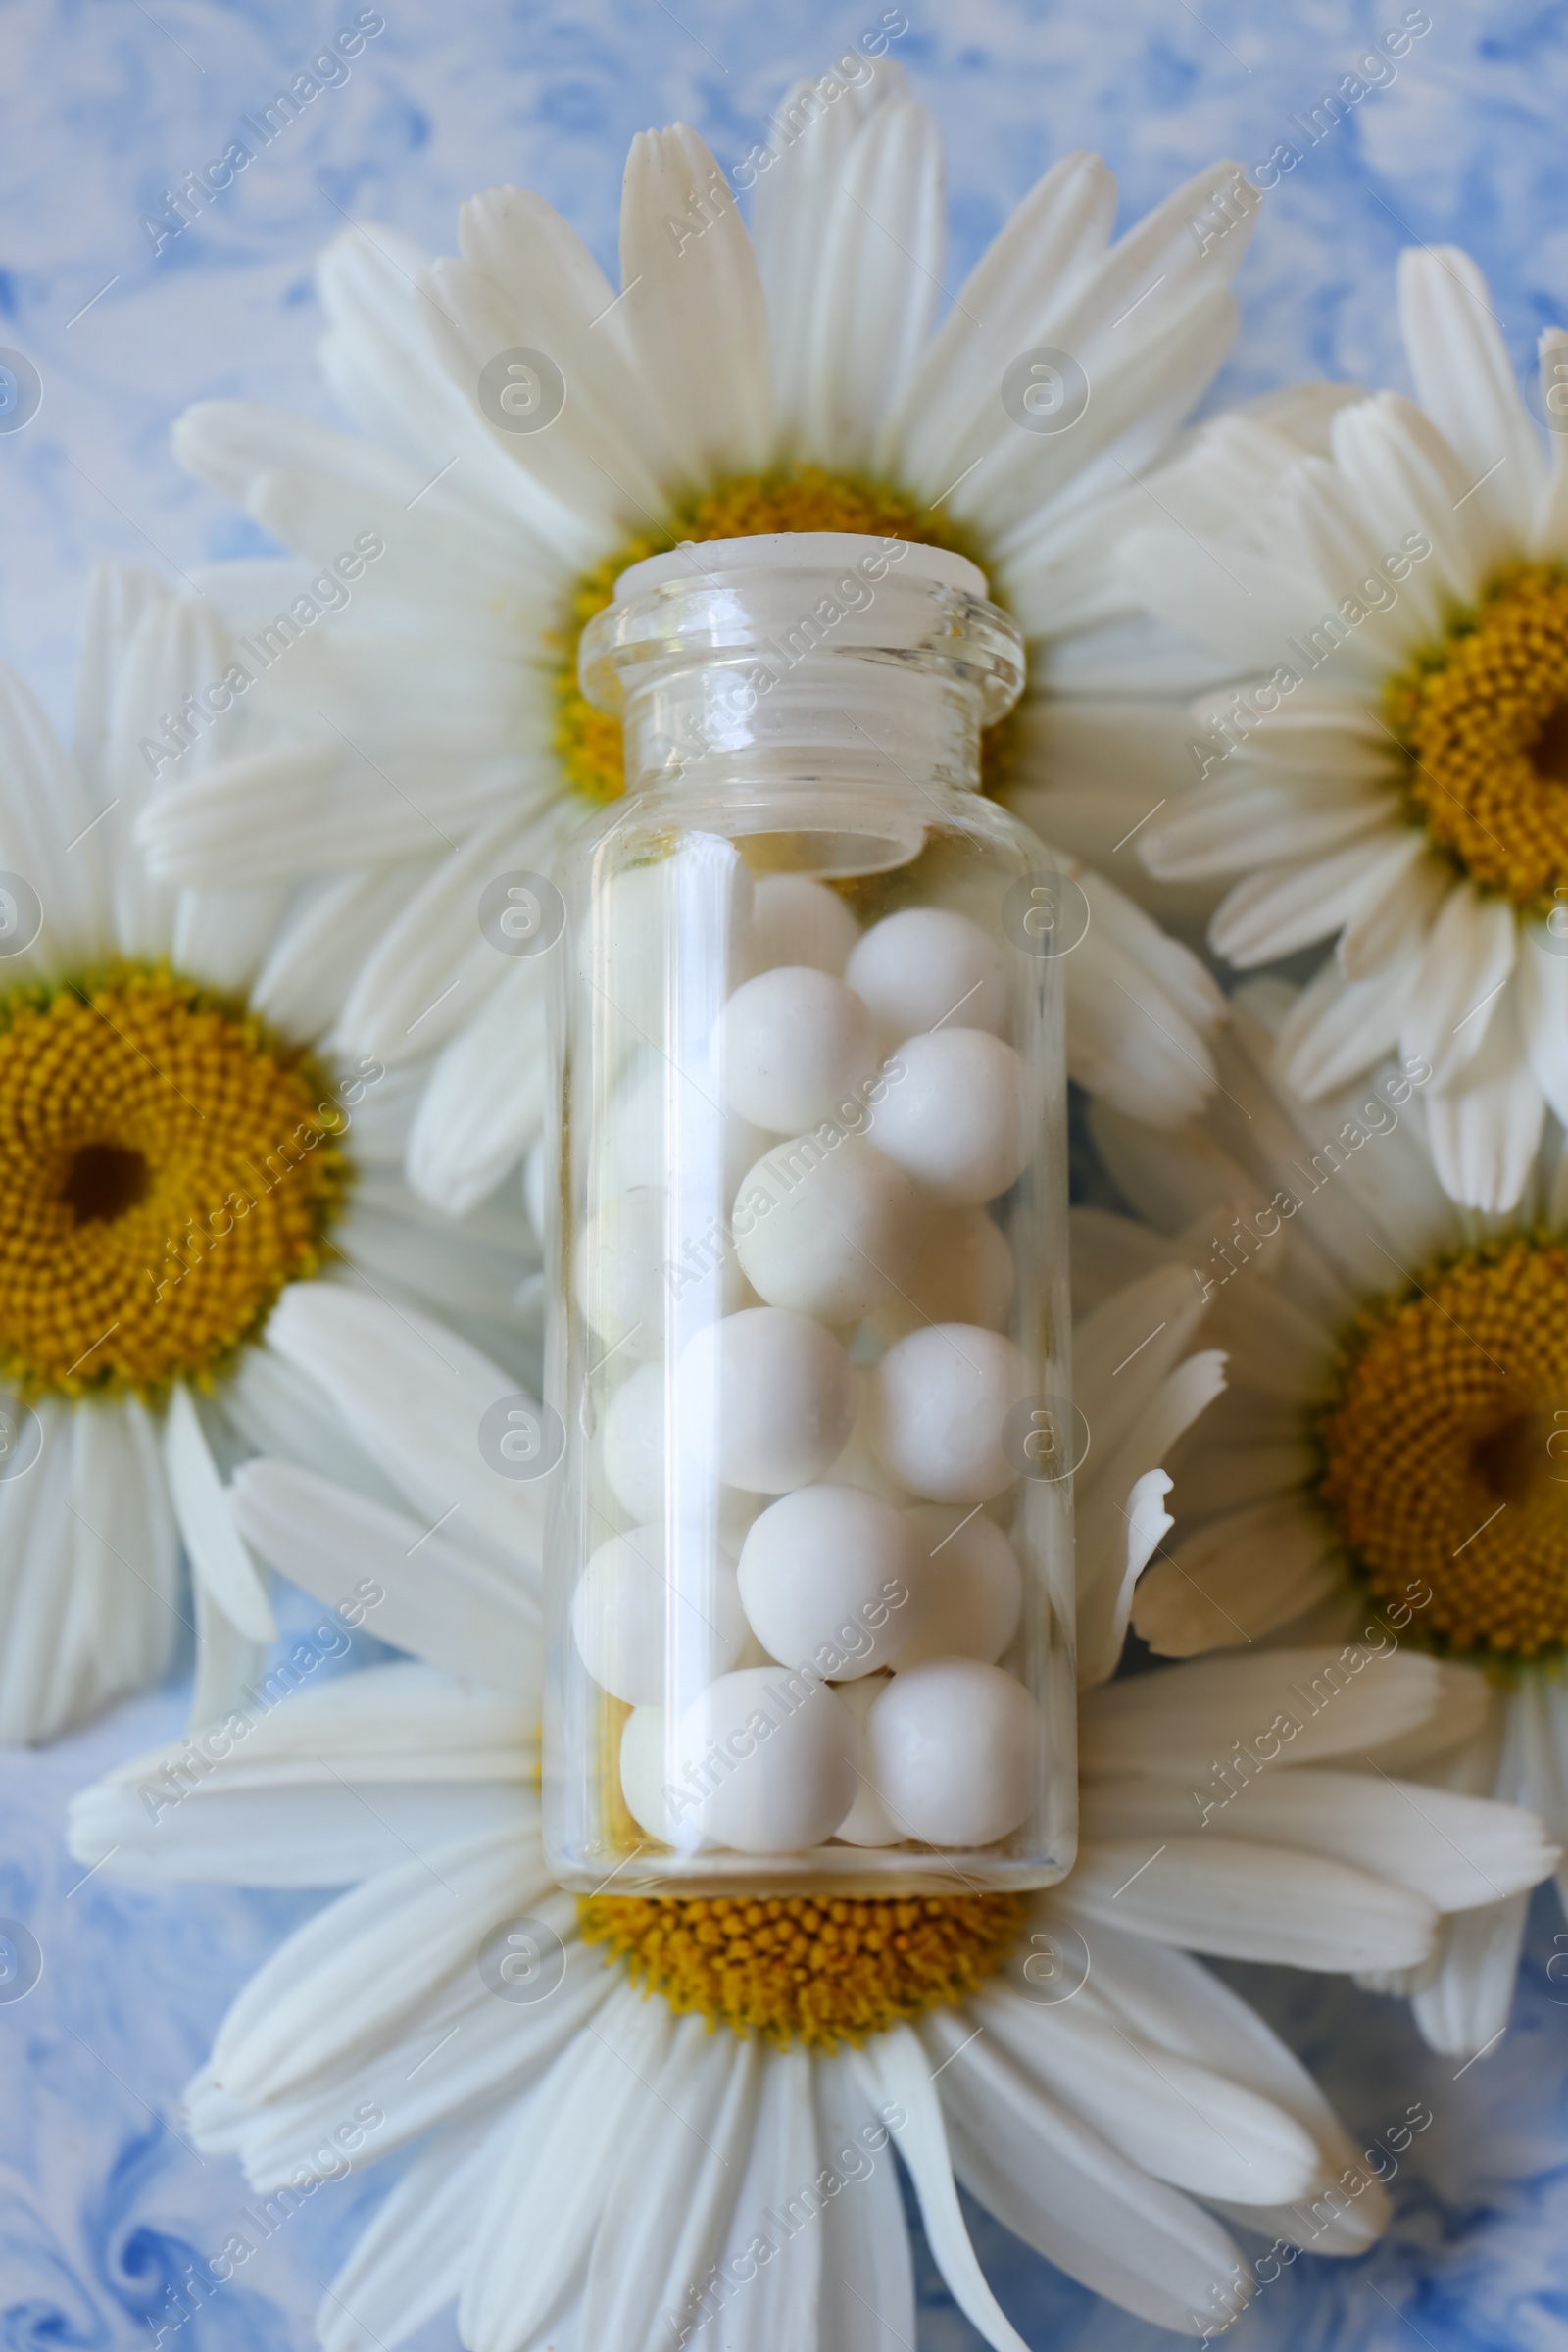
[957, 1114]
[964, 1274]
[644, 1769]
[795, 920]
[633, 1443]
[792, 1046]
[767, 1762]
[867, 1821]
[973, 1587]
[938, 1404]
[833, 1579]
[619, 1270]
[927, 966]
[953, 1750]
[634, 1623]
[772, 1396]
[830, 1230]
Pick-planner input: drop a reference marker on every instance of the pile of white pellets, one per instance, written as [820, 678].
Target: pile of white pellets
[835, 1638]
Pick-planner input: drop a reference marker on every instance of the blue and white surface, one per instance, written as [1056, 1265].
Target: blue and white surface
[107, 103]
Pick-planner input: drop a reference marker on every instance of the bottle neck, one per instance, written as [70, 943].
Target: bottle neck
[845, 659]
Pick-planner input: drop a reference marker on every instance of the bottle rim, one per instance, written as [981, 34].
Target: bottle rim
[702, 562]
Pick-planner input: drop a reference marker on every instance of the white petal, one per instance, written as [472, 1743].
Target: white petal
[1058, 230]
[1466, 384]
[1412, 483]
[486, 1096]
[1282, 908]
[1541, 1001]
[1106, 1592]
[219, 1560]
[1239, 1577]
[371, 1966]
[1485, 1127]
[413, 1395]
[670, 2194]
[694, 310]
[43, 809]
[1184, 2121]
[536, 2217]
[1252, 1902]
[1460, 1852]
[1060, 2185]
[1469, 957]
[878, 273]
[1340, 1700]
[895, 2069]
[1338, 1027]
[1467, 2006]
[773, 2307]
[409, 2262]
[411, 1587]
[867, 2277]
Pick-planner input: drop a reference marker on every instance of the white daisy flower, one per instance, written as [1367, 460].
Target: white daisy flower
[1389, 1460]
[180, 1152]
[1387, 767]
[635, 2113]
[733, 385]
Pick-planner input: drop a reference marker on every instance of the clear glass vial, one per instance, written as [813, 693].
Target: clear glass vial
[810, 1559]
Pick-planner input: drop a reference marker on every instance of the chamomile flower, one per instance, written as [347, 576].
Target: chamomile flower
[633, 2114]
[529, 430]
[181, 1148]
[1386, 1463]
[1387, 768]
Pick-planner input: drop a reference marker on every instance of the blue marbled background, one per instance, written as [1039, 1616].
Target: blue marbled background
[105, 103]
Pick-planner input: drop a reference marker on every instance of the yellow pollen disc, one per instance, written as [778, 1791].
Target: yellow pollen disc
[165, 1167]
[1444, 1450]
[1483, 721]
[805, 500]
[818, 1969]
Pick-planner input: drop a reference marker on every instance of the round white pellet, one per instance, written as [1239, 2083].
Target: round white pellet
[973, 1587]
[965, 1274]
[772, 1393]
[938, 1402]
[644, 1767]
[633, 1443]
[957, 1114]
[628, 1613]
[619, 1270]
[833, 1579]
[795, 920]
[953, 1750]
[867, 1822]
[832, 1232]
[927, 966]
[769, 1759]
[791, 1046]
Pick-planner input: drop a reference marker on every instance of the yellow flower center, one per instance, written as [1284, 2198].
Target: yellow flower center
[1484, 722]
[804, 500]
[165, 1167]
[1445, 1449]
[818, 1970]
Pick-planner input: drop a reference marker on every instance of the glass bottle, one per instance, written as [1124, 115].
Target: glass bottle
[809, 1563]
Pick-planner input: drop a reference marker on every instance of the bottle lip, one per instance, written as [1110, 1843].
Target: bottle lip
[703, 562]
